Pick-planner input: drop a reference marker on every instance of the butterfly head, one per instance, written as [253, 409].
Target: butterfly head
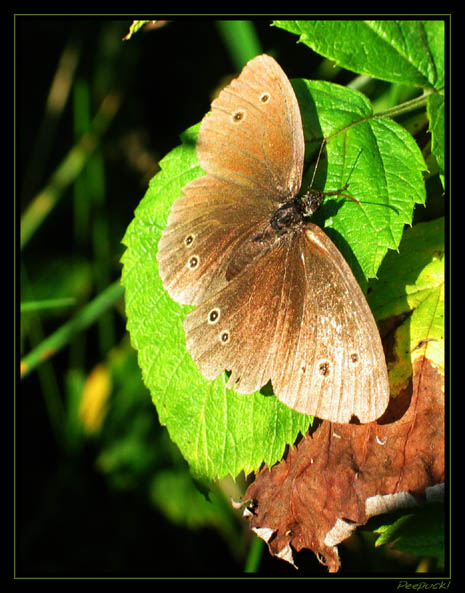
[310, 202]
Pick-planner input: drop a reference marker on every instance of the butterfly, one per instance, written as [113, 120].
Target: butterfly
[274, 298]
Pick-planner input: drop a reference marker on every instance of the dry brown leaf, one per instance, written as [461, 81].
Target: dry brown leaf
[339, 476]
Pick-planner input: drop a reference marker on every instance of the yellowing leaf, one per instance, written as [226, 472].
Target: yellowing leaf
[94, 399]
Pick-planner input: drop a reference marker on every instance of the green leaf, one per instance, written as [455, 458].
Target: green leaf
[437, 128]
[218, 431]
[420, 532]
[134, 27]
[411, 287]
[405, 52]
[387, 178]
[409, 52]
[174, 492]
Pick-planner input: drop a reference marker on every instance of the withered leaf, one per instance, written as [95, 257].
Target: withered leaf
[339, 476]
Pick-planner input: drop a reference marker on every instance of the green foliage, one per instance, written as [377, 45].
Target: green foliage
[410, 52]
[403, 52]
[135, 27]
[419, 532]
[437, 129]
[384, 164]
[411, 285]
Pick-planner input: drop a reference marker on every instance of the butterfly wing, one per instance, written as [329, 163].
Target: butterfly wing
[236, 328]
[253, 135]
[206, 227]
[335, 366]
[313, 333]
[253, 162]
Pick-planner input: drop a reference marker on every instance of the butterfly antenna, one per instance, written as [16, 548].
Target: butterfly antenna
[340, 192]
[352, 170]
[316, 164]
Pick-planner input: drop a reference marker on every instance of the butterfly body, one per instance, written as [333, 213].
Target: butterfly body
[274, 298]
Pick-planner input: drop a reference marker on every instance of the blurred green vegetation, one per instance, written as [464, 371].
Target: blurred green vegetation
[100, 489]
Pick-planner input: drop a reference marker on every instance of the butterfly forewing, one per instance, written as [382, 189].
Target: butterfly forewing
[206, 227]
[254, 158]
[253, 135]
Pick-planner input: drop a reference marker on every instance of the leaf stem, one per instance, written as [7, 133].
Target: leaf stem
[29, 306]
[89, 314]
[255, 554]
[405, 107]
[69, 168]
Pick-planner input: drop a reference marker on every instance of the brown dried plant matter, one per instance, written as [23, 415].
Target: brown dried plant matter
[339, 476]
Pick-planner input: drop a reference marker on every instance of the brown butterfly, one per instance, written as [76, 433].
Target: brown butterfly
[275, 300]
